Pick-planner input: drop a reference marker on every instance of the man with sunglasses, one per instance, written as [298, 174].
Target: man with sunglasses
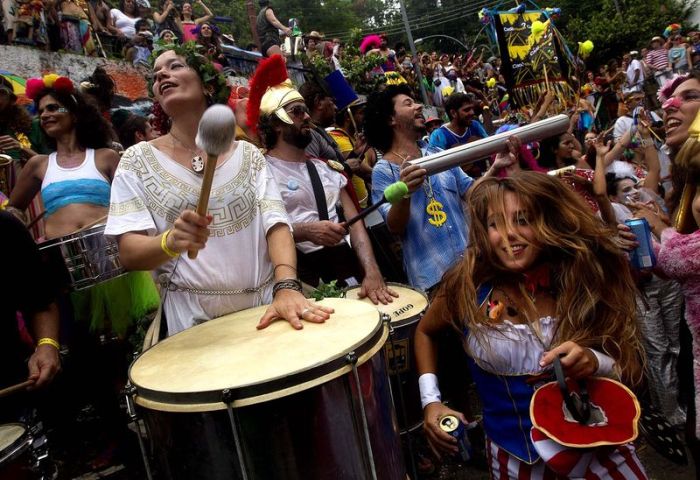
[312, 191]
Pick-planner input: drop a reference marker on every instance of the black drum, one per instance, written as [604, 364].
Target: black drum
[223, 400]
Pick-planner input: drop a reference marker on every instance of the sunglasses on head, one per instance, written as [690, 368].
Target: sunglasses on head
[298, 110]
[53, 108]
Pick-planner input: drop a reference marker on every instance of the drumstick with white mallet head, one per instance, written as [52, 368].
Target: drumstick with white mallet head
[214, 135]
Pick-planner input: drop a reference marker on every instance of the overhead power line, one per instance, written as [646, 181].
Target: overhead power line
[426, 21]
[423, 17]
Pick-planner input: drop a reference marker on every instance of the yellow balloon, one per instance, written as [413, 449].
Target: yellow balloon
[491, 82]
[585, 48]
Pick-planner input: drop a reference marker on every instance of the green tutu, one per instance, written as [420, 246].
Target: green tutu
[115, 305]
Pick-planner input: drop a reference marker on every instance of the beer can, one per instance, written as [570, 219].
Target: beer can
[643, 256]
[453, 426]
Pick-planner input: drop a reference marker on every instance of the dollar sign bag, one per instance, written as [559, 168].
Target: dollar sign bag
[572, 420]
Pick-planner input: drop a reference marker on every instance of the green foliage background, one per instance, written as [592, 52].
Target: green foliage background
[596, 20]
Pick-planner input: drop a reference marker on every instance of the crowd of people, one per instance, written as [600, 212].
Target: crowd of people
[523, 266]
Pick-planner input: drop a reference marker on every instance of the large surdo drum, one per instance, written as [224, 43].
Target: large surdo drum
[223, 400]
[404, 313]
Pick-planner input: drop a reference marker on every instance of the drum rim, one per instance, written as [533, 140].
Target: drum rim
[19, 446]
[268, 387]
[406, 321]
[72, 236]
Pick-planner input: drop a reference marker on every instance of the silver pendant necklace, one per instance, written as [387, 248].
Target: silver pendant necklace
[197, 162]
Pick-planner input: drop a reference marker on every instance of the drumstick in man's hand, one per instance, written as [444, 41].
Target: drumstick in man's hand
[215, 134]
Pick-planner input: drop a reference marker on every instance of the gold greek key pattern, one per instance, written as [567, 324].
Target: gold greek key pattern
[130, 206]
[233, 205]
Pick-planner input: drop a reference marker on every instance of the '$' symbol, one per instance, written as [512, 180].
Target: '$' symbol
[434, 209]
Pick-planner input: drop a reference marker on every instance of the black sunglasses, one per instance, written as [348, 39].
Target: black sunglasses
[53, 108]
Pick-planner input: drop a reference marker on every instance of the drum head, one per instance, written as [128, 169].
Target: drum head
[11, 439]
[190, 370]
[404, 310]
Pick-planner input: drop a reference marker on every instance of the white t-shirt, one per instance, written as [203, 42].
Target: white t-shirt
[631, 70]
[124, 23]
[149, 192]
[294, 185]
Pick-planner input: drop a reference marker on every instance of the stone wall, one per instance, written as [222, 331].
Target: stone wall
[31, 62]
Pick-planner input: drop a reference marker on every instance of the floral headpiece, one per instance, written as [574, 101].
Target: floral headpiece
[52, 81]
[669, 86]
[193, 53]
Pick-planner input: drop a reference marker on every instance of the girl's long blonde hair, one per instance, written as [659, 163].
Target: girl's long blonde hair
[590, 276]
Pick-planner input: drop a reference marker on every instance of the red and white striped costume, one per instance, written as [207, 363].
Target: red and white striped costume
[615, 463]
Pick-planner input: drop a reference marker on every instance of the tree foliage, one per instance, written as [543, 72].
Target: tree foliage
[596, 20]
[614, 33]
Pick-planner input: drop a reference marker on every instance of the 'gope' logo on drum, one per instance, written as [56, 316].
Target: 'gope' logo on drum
[402, 310]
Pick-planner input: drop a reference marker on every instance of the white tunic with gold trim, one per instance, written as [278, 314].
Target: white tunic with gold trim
[234, 271]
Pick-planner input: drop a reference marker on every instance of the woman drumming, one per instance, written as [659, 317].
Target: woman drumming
[249, 258]
[75, 179]
[542, 277]
[74, 182]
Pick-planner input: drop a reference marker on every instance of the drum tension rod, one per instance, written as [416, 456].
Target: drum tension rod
[228, 398]
[386, 318]
[351, 358]
[129, 393]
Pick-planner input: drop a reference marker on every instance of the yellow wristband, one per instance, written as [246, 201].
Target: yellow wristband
[48, 341]
[164, 245]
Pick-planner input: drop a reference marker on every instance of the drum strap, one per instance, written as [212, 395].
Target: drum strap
[319, 193]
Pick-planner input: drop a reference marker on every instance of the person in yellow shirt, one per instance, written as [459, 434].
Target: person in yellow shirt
[352, 144]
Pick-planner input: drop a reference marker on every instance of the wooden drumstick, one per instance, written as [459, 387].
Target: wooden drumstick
[15, 388]
[214, 135]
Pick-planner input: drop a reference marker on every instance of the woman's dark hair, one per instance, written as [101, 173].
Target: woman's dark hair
[548, 148]
[91, 128]
[16, 118]
[591, 156]
[121, 6]
[378, 114]
[266, 130]
[611, 182]
[127, 131]
[101, 87]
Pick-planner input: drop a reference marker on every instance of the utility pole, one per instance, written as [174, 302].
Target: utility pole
[252, 18]
[416, 62]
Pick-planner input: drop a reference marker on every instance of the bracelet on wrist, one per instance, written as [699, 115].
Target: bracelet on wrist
[284, 265]
[164, 245]
[48, 341]
[287, 284]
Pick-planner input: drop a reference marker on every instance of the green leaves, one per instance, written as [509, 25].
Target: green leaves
[328, 290]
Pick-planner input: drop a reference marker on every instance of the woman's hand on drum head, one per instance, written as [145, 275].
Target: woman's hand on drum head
[577, 361]
[293, 307]
[374, 288]
[190, 232]
[439, 440]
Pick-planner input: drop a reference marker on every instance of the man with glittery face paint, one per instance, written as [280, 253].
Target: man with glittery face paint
[311, 190]
[680, 102]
